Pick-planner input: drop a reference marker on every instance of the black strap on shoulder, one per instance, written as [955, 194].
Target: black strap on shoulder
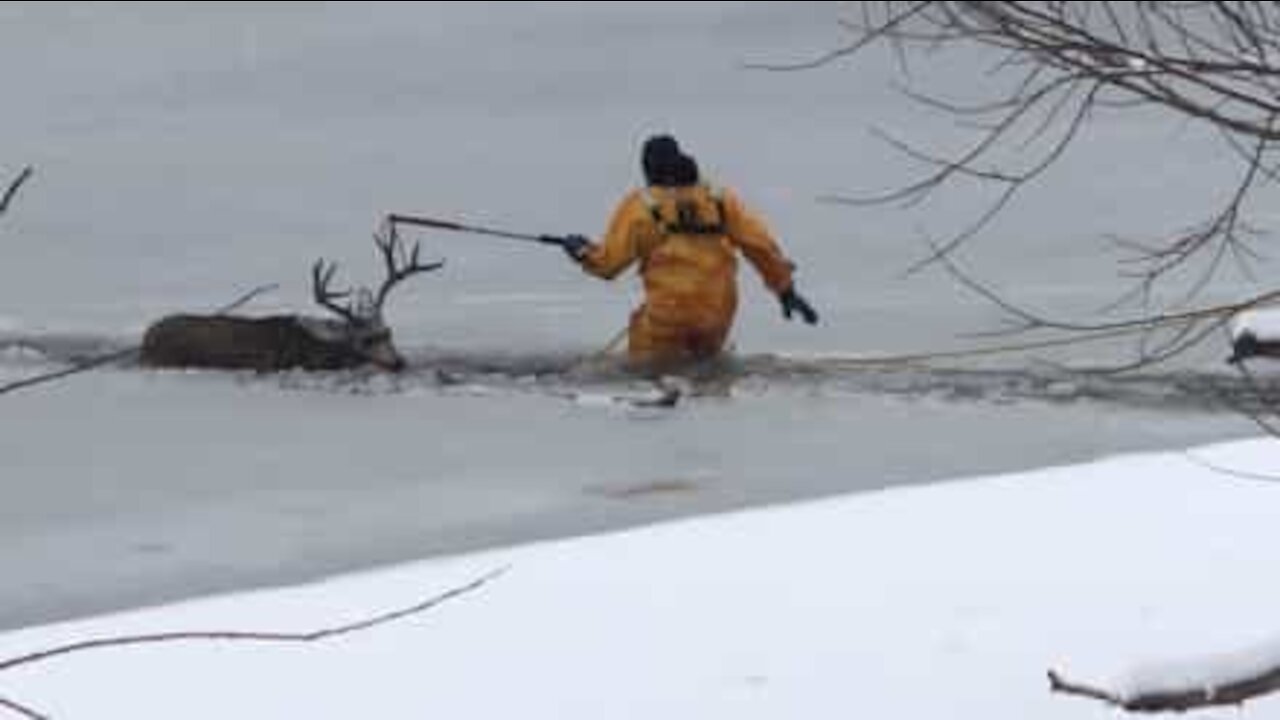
[687, 221]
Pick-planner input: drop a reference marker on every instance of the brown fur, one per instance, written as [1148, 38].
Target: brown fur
[355, 336]
[277, 342]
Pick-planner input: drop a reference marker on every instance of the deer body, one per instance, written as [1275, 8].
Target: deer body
[355, 336]
[274, 342]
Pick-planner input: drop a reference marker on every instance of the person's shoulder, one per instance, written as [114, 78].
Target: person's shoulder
[716, 188]
[632, 196]
[723, 193]
[635, 195]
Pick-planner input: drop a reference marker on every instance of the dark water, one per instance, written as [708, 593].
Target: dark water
[1165, 387]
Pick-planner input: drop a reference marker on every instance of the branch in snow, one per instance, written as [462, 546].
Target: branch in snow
[234, 635]
[304, 637]
[22, 710]
[13, 188]
[1180, 699]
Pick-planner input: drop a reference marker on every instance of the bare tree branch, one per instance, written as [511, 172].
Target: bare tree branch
[1034, 320]
[239, 636]
[245, 298]
[1057, 684]
[13, 189]
[1183, 330]
[1061, 62]
[268, 637]
[23, 710]
[872, 36]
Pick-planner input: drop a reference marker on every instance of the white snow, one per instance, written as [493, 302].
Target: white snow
[1210, 671]
[944, 601]
[1263, 323]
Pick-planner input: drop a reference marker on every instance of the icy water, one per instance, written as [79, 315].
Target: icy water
[185, 153]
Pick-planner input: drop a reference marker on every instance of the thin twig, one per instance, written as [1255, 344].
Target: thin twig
[266, 637]
[851, 49]
[13, 188]
[236, 636]
[100, 360]
[235, 304]
[23, 710]
[1231, 472]
[1202, 61]
[1058, 684]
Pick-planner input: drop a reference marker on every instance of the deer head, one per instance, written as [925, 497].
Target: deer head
[361, 326]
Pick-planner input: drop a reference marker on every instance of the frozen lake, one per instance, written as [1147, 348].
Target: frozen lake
[184, 153]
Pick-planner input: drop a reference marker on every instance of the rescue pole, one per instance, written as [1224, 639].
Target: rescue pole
[427, 222]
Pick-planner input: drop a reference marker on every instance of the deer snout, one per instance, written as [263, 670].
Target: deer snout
[385, 356]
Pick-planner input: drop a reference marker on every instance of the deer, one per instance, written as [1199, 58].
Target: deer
[356, 337]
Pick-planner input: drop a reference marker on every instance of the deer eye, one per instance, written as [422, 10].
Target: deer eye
[377, 337]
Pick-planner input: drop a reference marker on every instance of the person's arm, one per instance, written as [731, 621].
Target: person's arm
[751, 235]
[619, 247]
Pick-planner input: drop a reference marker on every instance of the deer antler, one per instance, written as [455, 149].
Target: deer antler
[321, 276]
[399, 264]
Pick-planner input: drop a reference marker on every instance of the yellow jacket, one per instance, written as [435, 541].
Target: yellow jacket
[688, 267]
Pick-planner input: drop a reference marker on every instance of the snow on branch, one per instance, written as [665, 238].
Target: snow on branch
[22, 710]
[233, 636]
[1226, 680]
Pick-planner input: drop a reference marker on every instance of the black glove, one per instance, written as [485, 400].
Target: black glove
[792, 302]
[575, 246]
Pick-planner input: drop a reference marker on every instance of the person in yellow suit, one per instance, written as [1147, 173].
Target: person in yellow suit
[685, 235]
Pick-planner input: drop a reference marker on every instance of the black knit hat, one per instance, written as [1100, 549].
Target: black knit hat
[665, 165]
[684, 172]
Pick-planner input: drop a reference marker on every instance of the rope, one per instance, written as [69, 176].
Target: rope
[613, 343]
[923, 357]
[909, 358]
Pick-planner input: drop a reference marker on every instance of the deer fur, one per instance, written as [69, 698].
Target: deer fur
[275, 342]
[358, 335]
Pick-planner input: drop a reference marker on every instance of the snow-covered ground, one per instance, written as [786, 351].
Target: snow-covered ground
[950, 601]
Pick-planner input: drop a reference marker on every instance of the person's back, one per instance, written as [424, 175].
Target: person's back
[685, 236]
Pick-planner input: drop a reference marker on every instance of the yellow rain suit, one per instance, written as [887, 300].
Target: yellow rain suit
[685, 240]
